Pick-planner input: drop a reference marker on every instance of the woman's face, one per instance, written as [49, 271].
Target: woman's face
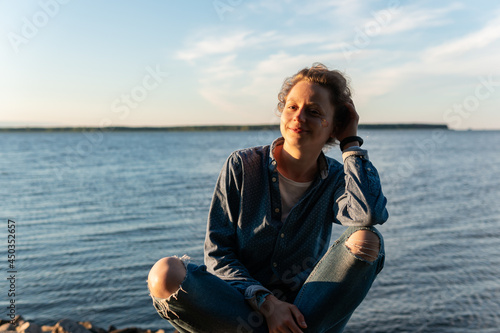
[307, 118]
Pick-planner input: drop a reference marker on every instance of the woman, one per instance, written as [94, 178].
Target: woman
[269, 267]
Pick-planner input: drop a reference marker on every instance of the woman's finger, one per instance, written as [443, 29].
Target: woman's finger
[299, 317]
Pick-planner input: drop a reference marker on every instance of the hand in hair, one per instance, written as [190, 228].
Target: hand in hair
[351, 124]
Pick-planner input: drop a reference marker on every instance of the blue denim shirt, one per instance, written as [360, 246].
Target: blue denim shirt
[246, 243]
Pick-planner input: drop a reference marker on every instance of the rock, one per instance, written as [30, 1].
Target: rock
[18, 320]
[127, 330]
[91, 327]
[86, 324]
[7, 327]
[28, 327]
[19, 325]
[69, 326]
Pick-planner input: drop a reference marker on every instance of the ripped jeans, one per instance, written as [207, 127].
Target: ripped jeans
[337, 285]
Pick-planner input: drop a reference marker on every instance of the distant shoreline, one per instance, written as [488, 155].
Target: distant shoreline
[208, 128]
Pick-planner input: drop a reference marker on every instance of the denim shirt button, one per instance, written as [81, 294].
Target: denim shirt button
[273, 179]
[275, 264]
[273, 162]
[277, 210]
[282, 235]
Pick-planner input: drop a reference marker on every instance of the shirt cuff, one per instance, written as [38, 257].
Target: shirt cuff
[251, 295]
[356, 151]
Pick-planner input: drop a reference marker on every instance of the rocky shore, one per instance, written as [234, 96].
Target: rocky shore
[19, 325]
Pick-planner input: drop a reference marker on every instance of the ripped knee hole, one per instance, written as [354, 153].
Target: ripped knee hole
[365, 246]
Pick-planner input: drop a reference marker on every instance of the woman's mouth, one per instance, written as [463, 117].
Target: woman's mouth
[297, 130]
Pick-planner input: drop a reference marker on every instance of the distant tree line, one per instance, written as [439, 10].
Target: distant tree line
[208, 128]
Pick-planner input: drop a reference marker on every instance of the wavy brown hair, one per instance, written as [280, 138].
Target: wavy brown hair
[334, 81]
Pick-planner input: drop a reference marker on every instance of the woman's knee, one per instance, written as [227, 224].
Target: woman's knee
[166, 276]
[365, 244]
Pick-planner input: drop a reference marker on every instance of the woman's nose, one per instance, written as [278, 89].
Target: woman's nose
[300, 115]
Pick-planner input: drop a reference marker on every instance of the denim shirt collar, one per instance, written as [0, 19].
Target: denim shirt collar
[322, 163]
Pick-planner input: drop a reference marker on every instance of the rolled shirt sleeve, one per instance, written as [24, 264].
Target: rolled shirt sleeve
[361, 201]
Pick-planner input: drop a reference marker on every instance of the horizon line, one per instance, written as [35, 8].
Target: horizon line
[212, 127]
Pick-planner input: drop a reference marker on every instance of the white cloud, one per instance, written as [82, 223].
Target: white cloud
[462, 58]
[227, 43]
[226, 85]
[220, 84]
[277, 63]
[224, 69]
[381, 81]
[234, 42]
[268, 74]
[267, 6]
[367, 37]
[461, 67]
[332, 9]
[313, 40]
[472, 41]
[217, 98]
[288, 64]
[240, 85]
[397, 20]
[211, 45]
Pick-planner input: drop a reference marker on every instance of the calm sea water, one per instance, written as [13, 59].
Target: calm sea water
[94, 211]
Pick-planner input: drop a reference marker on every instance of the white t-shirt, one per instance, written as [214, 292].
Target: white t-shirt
[291, 192]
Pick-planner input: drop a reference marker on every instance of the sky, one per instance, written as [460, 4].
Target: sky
[211, 62]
